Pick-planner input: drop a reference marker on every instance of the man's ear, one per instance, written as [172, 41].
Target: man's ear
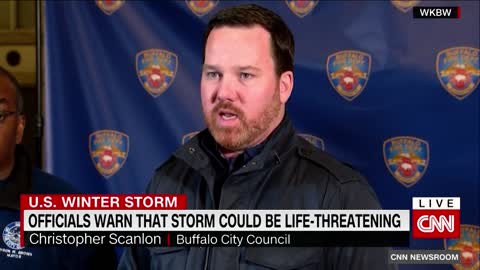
[20, 129]
[286, 86]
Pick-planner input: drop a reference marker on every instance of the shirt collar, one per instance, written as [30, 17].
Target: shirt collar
[253, 151]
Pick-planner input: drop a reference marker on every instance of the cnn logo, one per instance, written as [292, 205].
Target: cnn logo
[437, 217]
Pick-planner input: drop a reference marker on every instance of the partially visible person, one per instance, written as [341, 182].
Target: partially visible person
[17, 176]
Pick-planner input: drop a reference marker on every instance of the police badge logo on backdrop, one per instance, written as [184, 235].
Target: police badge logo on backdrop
[348, 72]
[316, 141]
[108, 150]
[458, 70]
[469, 246]
[201, 7]
[109, 6]
[187, 137]
[11, 238]
[156, 70]
[301, 8]
[406, 158]
[404, 5]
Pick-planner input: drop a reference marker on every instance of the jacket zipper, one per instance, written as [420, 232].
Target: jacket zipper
[206, 265]
[207, 259]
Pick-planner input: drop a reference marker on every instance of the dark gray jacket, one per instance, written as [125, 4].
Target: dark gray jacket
[289, 173]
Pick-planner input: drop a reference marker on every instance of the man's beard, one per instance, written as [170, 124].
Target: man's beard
[242, 136]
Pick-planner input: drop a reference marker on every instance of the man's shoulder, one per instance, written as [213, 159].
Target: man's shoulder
[352, 191]
[44, 182]
[189, 152]
[182, 159]
[166, 177]
[321, 160]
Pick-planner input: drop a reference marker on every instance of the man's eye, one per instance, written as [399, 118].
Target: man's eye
[3, 115]
[244, 76]
[213, 74]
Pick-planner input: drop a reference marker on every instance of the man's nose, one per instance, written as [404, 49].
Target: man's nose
[226, 89]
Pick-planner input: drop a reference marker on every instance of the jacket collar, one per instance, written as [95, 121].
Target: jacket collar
[19, 181]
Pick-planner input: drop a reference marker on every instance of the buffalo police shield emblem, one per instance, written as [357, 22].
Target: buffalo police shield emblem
[108, 150]
[301, 8]
[156, 70]
[316, 141]
[406, 158]
[348, 72]
[469, 246]
[458, 70]
[188, 136]
[404, 5]
[109, 6]
[201, 7]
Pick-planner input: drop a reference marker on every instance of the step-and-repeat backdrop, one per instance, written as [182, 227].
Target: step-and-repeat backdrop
[394, 96]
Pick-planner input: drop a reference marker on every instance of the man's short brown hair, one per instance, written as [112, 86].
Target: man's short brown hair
[282, 43]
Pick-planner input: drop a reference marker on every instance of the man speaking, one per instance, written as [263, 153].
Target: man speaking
[249, 157]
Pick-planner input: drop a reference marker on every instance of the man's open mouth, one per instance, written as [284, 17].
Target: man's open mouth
[227, 115]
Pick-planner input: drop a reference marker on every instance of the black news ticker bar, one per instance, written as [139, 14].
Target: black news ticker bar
[223, 238]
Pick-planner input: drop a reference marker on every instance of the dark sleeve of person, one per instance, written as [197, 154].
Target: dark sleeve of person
[137, 258]
[101, 258]
[357, 194]
[134, 258]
